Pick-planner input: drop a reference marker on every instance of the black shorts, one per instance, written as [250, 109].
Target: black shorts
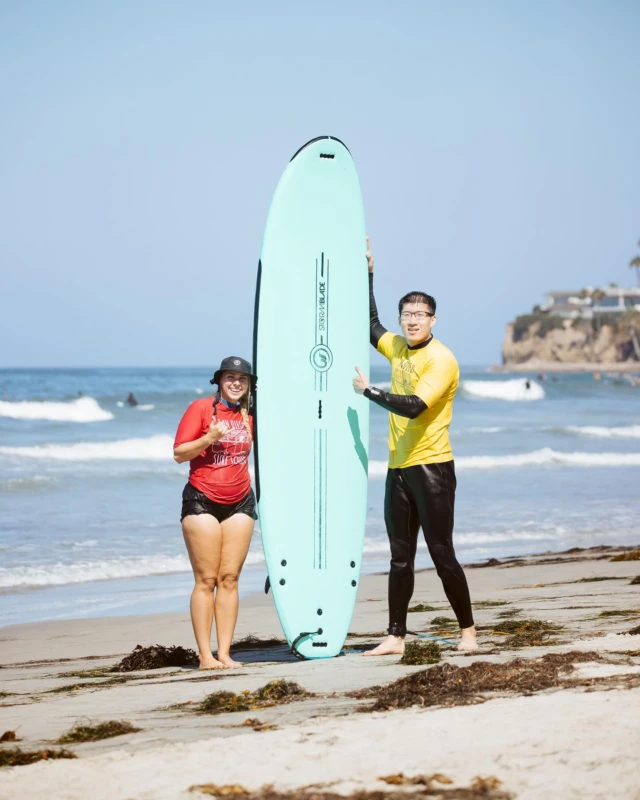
[195, 502]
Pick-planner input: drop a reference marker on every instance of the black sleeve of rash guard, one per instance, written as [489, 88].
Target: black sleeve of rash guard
[405, 405]
[376, 329]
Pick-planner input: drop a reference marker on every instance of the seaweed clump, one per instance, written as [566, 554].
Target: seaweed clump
[512, 612]
[443, 622]
[18, 758]
[634, 631]
[280, 691]
[420, 653]
[100, 672]
[448, 685]
[156, 657]
[490, 603]
[94, 733]
[421, 607]
[634, 555]
[273, 693]
[225, 702]
[526, 632]
[258, 725]
[254, 643]
[481, 788]
[616, 613]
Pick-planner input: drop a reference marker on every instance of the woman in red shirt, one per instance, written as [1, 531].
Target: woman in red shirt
[218, 503]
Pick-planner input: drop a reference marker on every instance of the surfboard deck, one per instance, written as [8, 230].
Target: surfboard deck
[312, 430]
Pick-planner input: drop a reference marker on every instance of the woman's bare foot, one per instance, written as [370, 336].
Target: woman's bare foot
[468, 641]
[228, 662]
[392, 645]
[209, 662]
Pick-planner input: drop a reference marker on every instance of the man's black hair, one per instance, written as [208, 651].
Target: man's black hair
[417, 297]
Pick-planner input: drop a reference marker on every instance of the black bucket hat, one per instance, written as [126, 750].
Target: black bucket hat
[234, 364]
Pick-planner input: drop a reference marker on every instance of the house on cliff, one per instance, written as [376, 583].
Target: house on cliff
[589, 303]
[591, 326]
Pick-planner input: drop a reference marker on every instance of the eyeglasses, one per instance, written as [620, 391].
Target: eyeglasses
[420, 315]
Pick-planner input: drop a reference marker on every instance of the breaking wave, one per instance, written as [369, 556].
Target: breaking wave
[84, 409]
[152, 448]
[620, 432]
[108, 569]
[545, 456]
[512, 390]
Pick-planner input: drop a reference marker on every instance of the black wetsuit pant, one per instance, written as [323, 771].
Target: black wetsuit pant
[417, 497]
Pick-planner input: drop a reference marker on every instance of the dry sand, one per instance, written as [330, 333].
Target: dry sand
[579, 739]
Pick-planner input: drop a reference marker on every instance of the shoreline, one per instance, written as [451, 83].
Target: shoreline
[539, 741]
[556, 367]
[377, 567]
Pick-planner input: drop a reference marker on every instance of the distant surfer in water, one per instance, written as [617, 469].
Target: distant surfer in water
[421, 480]
[218, 504]
[131, 400]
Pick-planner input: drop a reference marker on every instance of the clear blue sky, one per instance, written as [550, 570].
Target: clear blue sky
[497, 143]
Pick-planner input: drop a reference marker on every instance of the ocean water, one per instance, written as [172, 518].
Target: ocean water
[90, 494]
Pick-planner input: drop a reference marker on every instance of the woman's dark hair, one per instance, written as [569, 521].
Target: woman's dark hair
[417, 297]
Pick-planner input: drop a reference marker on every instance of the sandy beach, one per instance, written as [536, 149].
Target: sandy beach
[576, 735]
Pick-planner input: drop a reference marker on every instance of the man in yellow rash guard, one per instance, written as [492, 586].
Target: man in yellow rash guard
[421, 480]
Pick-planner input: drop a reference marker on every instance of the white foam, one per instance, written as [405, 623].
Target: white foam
[107, 569]
[548, 456]
[153, 448]
[375, 546]
[145, 407]
[84, 409]
[507, 536]
[512, 390]
[620, 432]
[85, 571]
[378, 469]
[541, 457]
[479, 430]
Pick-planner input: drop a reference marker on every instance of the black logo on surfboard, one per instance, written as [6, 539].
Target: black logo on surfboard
[321, 356]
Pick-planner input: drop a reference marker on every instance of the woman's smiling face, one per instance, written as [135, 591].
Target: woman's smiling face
[233, 386]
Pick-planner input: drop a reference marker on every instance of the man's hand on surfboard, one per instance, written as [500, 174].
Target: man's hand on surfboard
[369, 256]
[361, 382]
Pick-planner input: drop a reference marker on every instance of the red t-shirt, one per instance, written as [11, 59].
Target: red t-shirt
[222, 470]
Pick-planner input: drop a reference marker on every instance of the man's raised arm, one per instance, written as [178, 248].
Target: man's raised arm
[376, 329]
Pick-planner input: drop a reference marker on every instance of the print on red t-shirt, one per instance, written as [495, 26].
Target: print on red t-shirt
[221, 472]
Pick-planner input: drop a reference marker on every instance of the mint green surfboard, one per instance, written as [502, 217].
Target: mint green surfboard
[312, 429]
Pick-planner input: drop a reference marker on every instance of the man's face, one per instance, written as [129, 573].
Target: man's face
[416, 321]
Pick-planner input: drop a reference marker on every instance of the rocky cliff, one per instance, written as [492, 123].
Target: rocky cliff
[547, 338]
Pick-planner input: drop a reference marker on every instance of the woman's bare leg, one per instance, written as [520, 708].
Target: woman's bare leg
[203, 537]
[236, 538]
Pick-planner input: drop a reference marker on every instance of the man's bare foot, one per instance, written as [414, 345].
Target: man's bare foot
[228, 662]
[468, 641]
[392, 645]
[209, 662]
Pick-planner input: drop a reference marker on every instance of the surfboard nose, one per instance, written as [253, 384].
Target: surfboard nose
[329, 143]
